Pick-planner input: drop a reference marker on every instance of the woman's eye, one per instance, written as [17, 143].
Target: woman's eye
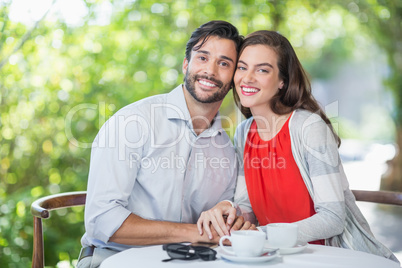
[241, 68]
[263, 71]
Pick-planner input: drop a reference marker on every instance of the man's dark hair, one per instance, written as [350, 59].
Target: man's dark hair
[219, 28]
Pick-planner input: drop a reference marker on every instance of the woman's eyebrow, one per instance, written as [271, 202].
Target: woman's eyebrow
[258, 65]
[265, 64]
[242, 62]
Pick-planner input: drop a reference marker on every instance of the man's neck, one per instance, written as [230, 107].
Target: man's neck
[202, 114]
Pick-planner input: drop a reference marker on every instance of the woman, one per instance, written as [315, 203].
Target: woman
[291, 170]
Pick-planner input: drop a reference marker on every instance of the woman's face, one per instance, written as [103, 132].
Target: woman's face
[257, 76]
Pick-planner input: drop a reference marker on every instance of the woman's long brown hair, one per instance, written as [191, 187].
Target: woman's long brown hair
[296, 91]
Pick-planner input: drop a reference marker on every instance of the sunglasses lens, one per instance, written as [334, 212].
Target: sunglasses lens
[178, 251]
[205, 253]
[183, 252]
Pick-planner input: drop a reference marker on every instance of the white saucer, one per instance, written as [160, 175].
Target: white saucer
[234, 258]
[296, 249]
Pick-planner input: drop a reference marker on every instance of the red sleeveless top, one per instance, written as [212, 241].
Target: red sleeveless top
[275, 186]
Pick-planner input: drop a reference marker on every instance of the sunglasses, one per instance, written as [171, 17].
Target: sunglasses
[178, 251]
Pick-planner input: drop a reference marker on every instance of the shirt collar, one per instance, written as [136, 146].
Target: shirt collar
[178, 110]
[177, 105]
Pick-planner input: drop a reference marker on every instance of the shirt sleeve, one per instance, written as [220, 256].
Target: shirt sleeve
[113, 173]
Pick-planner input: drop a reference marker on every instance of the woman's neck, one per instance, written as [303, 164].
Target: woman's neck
[268, 122]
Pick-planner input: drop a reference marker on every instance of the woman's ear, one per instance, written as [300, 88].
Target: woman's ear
[281, 85]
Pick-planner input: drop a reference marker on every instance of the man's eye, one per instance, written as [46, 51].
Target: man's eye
[224, 64]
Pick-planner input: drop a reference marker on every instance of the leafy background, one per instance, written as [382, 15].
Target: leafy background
[61, 80]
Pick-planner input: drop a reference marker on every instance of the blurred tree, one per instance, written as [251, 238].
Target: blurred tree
[59, 82]
[383, 20]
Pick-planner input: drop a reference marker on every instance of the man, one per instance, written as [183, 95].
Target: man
[159, 162]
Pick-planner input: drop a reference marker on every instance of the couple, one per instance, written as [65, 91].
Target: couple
[161, 164]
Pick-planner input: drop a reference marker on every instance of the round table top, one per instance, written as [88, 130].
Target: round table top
[312, 256]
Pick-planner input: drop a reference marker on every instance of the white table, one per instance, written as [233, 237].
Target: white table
[312, 256]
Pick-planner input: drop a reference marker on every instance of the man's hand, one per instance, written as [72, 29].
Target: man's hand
[223, 219]
[240, 224]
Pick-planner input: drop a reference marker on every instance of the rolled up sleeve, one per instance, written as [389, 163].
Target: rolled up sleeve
[113, 172]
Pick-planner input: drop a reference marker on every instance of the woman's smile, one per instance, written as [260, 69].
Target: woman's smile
[249, 91]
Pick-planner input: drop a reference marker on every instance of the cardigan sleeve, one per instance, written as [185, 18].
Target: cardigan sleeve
[241, 195]
[316, 153]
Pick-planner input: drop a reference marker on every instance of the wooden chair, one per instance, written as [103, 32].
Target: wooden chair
[382, 197]
[40, 209]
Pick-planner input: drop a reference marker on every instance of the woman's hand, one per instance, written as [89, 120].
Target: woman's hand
[221, 217]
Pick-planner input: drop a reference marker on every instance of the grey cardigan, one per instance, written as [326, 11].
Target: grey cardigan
[338, 220]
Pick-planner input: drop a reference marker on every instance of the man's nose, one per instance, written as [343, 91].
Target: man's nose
[211, 68]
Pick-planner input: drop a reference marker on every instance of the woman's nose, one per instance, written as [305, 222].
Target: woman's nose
[248, 77]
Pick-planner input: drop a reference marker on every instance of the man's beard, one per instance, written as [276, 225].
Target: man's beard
[190, 80]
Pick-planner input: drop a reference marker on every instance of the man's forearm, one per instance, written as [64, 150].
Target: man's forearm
[138, 231]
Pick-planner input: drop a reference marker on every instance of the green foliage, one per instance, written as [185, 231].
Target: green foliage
[383, 21]
[65, 81]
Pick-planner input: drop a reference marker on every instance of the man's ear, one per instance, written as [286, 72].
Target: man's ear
[185, 65]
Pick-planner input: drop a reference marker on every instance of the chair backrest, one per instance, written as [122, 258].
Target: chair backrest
[40, 209]
[383, 197]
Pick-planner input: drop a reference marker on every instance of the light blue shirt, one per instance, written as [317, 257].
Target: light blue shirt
[147, 160]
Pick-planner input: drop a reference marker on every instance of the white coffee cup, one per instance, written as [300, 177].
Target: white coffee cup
[245, 243]
[282, 235]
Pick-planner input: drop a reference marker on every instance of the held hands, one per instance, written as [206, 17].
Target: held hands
[223, 219]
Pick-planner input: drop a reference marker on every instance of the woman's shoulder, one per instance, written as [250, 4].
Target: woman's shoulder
[309, 127]
[242, 129]
[302, 119]
[306, 125]
[302, 114]
[245, 124]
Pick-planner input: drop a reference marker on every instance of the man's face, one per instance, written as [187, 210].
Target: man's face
[209, 73]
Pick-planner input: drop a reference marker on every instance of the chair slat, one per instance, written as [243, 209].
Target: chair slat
[383, 197]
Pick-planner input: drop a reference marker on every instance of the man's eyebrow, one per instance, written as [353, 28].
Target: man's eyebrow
[227, 58]
[207, 53]
[202, 51]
